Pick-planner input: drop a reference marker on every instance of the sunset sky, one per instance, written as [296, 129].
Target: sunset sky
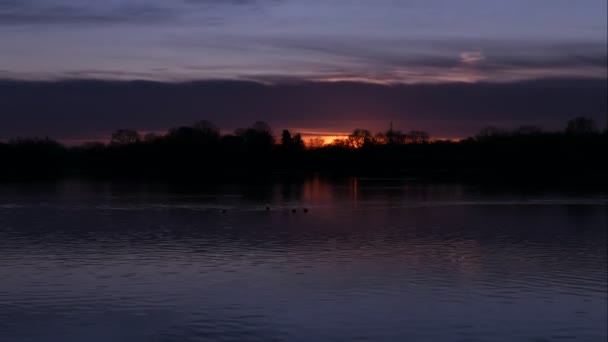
[414, 45]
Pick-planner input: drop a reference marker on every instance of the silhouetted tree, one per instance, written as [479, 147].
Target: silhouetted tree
[391, 137]
[360, 138]
[490, 132]
[201, 133]
[124, 137]
[298, 143]
[185, 134]
[381, 138]
[152, 137]
[200, 150]
[341, 143]
[258, 138]
[417, 137]
[528, 130]
[581, 126]
[262, 127]
[315, 143]
[25, 157]
[291, 144]
[286, 139]
[208, 130]
[232, 142]
[94, 146]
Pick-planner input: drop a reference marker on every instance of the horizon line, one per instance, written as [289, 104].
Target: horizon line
[299, 81]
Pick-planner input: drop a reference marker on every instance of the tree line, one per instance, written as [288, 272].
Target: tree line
[199, 151]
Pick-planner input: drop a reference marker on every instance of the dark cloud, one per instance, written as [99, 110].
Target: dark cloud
[496, 55]
[32, 12]
[35, 12]
[233, 2]
[91, 109]
[575, 61]
[413, 60]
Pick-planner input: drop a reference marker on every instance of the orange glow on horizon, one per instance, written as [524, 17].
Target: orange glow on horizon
[311, 138]
[327, 139]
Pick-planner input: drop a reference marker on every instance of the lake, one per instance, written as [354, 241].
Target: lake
[371, 260]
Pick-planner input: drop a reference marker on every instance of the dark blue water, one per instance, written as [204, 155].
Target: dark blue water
[373, 260]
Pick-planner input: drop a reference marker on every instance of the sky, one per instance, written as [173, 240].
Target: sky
[281, 42]
[381, 40]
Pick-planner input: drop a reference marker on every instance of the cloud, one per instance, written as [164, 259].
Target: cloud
[394, 60]
[36, 12]
[275, 40]
[68, 12]
[233, 2]
[472, 57]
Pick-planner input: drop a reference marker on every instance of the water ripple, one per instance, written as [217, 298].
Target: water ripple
[389, 264]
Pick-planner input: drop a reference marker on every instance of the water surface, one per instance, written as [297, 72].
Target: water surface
[372, 260]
